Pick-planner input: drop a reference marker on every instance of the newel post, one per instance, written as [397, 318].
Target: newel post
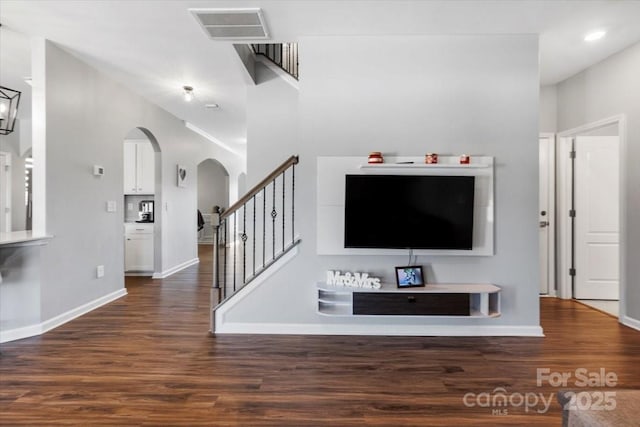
[215, 284]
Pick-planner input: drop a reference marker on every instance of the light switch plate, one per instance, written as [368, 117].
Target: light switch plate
[111, 206]
[100, 271]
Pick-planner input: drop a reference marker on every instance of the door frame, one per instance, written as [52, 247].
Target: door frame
[564, 198]
[551, 216]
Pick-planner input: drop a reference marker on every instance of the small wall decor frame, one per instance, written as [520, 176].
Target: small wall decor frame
[182, 176]
[409, 276]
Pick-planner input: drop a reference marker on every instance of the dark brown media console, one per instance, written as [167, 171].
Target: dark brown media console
[410, 304]
[448, 300]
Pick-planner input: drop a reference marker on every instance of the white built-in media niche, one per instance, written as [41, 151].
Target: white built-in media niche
[331, 193]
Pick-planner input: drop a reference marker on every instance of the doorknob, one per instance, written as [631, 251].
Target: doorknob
[544, 224]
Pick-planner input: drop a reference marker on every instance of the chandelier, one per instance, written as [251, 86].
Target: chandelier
[9, 101]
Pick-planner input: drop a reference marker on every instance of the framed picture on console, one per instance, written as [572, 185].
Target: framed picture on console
[409, 276]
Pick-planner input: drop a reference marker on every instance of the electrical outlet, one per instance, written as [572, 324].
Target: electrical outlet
[111, 206]
[129, 206]
[100, 271]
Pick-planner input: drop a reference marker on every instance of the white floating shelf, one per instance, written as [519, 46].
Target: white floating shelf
[423, 166]
[484, 299]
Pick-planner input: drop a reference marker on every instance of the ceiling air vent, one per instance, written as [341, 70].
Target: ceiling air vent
[232, 24]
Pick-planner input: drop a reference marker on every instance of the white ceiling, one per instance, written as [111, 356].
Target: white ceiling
[156, 47]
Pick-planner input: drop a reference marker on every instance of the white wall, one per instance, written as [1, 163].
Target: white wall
[272, 128]
[548, 108]
[405, 96]
[81, 118]
[610, 88]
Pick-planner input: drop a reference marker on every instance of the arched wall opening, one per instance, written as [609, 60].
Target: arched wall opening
[213, 193]
[135, 203]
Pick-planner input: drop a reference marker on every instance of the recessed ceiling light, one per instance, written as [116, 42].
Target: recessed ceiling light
[188, 93]
[211, 106]
[595, 35]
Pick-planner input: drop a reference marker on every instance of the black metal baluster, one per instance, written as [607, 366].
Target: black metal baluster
[243, 236]
[264, 226]
[253, 240]
[224, 268]
[283, 210]
[216, 260]
[235, 248]
[219, 257]
[293, 199]
[274, 214]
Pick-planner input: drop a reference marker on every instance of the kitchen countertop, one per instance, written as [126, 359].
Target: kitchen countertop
[23, 238]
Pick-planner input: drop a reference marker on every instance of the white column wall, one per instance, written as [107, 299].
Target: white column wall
[404, 96]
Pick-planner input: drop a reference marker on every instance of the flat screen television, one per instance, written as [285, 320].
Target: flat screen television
[409, 212]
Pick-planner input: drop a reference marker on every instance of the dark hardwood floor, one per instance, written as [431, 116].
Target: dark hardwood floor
[147, 359]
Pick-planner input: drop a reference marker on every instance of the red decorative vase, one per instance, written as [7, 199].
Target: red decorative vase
[375, 157]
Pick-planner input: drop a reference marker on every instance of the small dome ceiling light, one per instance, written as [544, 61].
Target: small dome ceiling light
[211, 106]
[188, 93]
[595, 35]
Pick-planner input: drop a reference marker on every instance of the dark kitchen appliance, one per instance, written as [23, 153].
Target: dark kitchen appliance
[145, 211]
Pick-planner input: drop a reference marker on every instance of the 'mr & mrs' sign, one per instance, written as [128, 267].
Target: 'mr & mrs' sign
[352, 280]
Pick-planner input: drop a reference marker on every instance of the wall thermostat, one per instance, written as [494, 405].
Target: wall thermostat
[98, 170]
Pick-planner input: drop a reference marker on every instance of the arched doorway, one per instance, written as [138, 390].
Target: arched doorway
[213, 191]
[142, 193]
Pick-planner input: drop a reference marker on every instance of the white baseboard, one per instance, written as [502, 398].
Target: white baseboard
[388, 330]
[175, 269]
[20, 333]
[61, 319]
[632, 323]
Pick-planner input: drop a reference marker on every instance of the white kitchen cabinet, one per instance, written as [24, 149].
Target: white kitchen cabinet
[138, 247]
[139, 167]
[130, 168]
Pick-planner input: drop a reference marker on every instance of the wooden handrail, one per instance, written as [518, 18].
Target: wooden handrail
[293, 160]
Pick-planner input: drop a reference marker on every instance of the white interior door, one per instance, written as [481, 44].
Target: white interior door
[545, 213]
[597, 202]
[5, 192]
